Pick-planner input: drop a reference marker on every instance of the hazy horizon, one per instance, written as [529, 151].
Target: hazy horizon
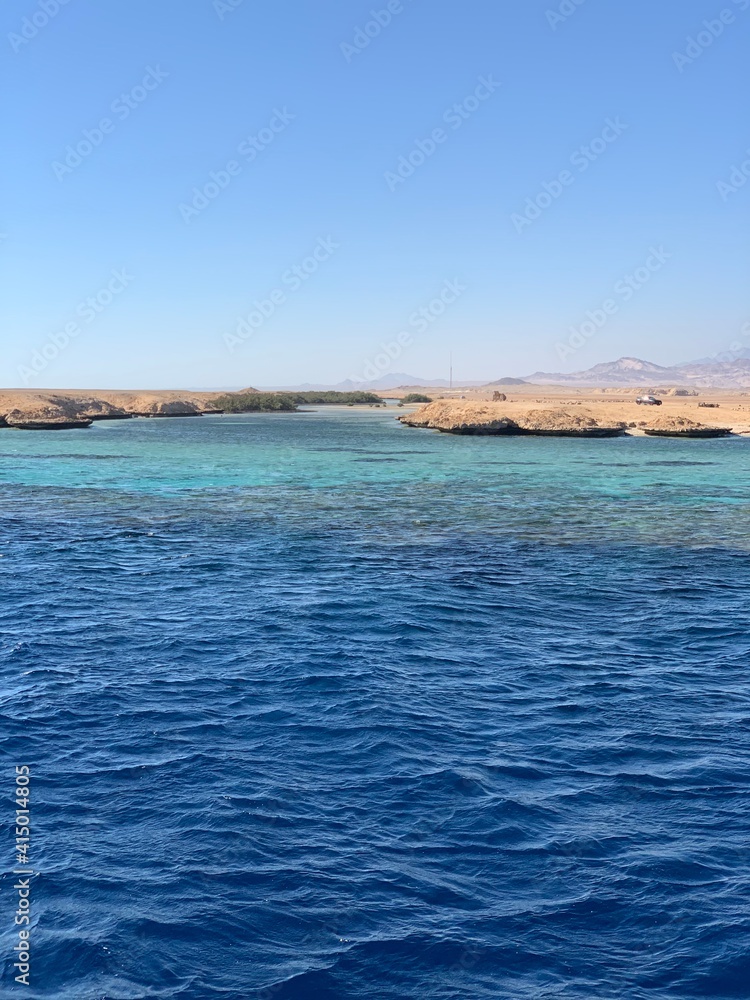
[419, 378]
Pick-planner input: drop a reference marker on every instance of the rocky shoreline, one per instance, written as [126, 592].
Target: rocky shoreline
[683, 427]
[72, 410]
[493, 418]
[68, 410]
[39, 410]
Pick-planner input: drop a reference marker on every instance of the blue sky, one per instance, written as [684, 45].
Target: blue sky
[122, 111]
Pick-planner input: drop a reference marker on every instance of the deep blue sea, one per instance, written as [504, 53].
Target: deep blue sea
[321, 707]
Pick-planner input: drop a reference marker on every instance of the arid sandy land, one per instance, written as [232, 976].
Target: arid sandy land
[608, 406]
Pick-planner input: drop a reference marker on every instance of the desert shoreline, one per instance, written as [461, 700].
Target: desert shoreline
[46, 409]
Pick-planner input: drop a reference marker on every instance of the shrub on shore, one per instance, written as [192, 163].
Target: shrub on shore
[330, 396]
[255, 402]
[416, 397]
[287, 402]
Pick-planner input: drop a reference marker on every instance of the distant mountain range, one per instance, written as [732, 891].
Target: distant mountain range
[396, 380]
[706, 373]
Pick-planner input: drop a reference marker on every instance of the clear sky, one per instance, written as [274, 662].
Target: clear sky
[304, 113]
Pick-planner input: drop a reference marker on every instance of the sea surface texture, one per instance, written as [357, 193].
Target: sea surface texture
[320, 707]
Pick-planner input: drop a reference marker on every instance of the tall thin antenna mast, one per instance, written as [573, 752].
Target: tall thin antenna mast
[451, 378]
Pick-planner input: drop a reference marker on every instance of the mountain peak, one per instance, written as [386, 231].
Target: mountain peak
[627, 364]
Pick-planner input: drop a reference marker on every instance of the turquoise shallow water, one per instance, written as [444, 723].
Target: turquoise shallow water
[661, 491]
[319, 706]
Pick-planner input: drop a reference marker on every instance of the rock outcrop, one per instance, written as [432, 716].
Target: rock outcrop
[100, 409]
[562, 423]
[171, 408]
[461, 418]
[455, 417]
[37, 421]
[683, 427]
[45, 414]
[50, 410]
